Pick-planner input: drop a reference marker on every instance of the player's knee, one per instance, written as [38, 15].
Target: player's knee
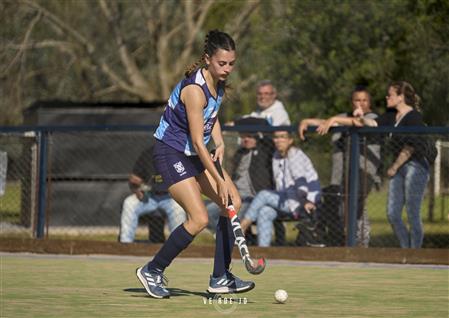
[203, 221]
[200, 223]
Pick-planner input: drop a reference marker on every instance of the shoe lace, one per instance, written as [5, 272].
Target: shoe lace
[161, 279]
[229, 274]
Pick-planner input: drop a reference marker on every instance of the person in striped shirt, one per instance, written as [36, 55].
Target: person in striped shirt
[296, 188]
[181, 157]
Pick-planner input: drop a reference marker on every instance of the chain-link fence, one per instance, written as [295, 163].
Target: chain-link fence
[74, 183]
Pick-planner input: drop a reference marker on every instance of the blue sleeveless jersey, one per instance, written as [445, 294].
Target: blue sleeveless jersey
[173, 128]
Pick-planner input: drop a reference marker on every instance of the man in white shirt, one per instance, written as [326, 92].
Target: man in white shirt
[268, 106]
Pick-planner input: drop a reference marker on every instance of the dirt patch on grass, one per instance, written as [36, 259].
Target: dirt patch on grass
[335, 254]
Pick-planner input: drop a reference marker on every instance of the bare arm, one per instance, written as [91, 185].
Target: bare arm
[366, 122]
[305, 123]
[194, 99]
[403, 156]
[324, 127]
[217, 136]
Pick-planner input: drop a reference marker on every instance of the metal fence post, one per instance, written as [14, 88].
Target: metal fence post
[353, 188]
[43, 147]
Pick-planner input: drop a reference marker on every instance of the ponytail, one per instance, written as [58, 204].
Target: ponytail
[214, 40]
[417, 104]
[192, 68]
[410, 97]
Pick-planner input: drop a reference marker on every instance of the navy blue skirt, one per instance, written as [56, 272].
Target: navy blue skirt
[173, 165]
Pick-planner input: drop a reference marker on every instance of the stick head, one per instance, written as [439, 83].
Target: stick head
[255, 267]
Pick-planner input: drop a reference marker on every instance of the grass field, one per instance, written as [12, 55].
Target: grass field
[106, 286]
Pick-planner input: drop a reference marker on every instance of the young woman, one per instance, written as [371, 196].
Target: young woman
[409, 172]
[187, 169]
[296, 187]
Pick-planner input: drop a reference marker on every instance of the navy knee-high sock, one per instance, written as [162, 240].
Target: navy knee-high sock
[224, 244]
[178, 240]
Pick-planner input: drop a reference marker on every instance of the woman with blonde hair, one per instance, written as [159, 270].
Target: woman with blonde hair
[409, 172]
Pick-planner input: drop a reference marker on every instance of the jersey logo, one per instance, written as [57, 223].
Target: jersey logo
[179, 168]
[208, 127]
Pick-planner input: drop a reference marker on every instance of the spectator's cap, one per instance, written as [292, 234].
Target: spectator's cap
[251, 121]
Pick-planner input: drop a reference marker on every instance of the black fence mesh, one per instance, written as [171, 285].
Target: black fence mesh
[18, 183]
[87, 189]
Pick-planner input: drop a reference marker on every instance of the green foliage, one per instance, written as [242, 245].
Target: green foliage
[318, 51]
[314, 51]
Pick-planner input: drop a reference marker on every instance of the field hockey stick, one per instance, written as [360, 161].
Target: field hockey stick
[252, 266]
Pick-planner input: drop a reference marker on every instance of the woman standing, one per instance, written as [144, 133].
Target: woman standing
[409, 172]
[187, 169]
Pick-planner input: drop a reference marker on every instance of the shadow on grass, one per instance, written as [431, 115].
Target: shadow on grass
[177, 292]
[12, 217]
[174, 292]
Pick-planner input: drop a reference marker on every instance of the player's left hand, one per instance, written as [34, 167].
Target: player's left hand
[219, 153]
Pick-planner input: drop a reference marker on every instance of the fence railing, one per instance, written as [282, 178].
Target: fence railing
[66, 181]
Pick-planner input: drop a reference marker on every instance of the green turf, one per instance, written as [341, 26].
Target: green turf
[107, 287]
[10, 203]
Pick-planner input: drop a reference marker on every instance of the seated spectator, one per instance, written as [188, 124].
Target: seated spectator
[251, 167]
[147, 198]
[268, 106]
[296, 188]
[369, 165]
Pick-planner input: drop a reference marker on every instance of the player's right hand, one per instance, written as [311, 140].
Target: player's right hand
[223, 192]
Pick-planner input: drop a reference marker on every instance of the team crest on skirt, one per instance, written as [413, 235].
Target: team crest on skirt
[179, 167]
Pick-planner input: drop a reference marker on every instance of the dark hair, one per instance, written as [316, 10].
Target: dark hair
[410, 96]
[361, 89]
[215, 40]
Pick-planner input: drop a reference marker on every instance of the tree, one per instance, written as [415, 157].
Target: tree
[314, 51]
[317, 51]
[105, 49]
